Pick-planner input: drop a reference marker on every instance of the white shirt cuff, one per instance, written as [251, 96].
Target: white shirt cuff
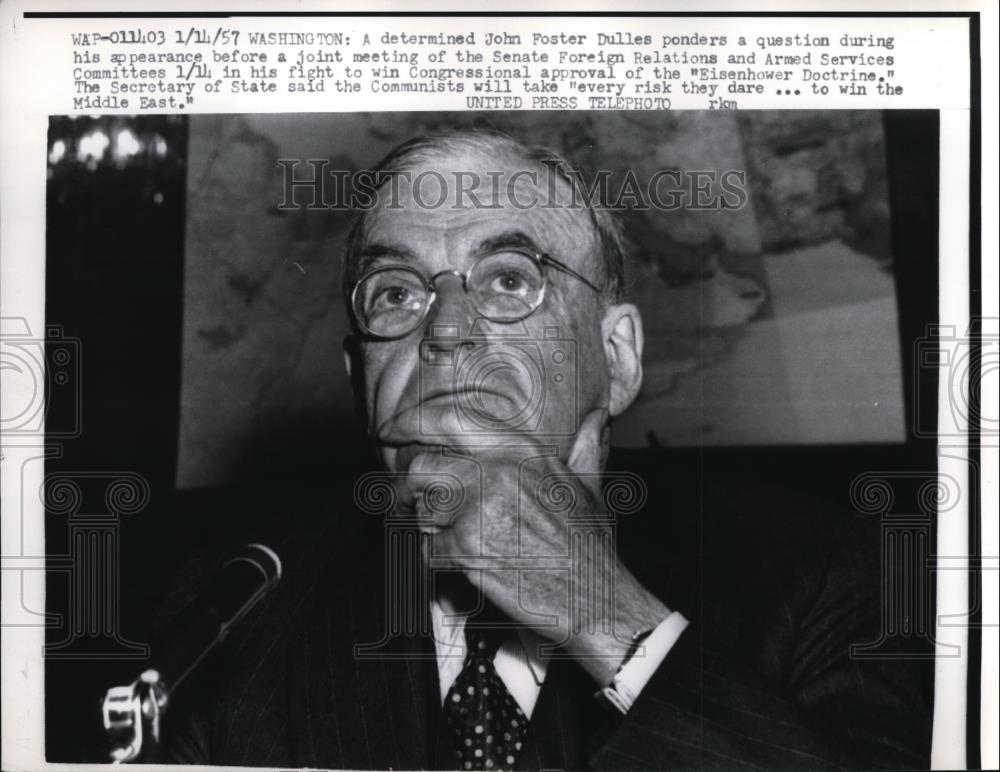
[635, 674]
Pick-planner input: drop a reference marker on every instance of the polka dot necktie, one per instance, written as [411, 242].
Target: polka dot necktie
[486, 723]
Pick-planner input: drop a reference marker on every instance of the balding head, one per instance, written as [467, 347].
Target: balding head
[440, 151]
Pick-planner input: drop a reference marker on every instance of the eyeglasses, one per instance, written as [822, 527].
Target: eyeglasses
[507, 286]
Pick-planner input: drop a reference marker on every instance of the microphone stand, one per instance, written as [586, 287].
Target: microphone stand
[132, 714]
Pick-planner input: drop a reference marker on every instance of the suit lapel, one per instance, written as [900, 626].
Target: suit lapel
[565, 715]
[379, 707]
[363, 698]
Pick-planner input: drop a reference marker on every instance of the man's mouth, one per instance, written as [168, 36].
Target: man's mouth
[457, 396]
[436, 414]
[406, 453]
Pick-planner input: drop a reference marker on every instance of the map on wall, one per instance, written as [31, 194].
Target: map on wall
[771, 323]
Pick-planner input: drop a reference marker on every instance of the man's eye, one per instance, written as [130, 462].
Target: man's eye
[393, 297]
[509, 283]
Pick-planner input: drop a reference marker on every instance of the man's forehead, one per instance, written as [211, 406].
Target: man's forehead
[493, 177]
[474, 193]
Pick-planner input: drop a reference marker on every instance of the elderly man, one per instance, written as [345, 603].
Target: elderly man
[490, 620]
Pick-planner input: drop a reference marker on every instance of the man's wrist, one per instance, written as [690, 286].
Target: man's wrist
[602, 653]
[651, 649]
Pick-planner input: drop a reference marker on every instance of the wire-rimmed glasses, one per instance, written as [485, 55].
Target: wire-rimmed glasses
[506, 286]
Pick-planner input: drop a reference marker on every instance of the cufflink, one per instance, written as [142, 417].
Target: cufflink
[618, 695]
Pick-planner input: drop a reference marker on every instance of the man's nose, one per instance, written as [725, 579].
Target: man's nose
[449, 322]
[452, 306]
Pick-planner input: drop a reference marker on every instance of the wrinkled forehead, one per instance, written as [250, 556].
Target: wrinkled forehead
[467, 195]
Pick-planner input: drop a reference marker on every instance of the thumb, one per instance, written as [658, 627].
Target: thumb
[587, 454]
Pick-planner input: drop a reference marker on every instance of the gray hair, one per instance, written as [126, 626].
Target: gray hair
[607, 226]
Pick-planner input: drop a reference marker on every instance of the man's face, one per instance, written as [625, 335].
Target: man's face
[436, 394]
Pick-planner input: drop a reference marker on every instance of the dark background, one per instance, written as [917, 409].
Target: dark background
[115, 280]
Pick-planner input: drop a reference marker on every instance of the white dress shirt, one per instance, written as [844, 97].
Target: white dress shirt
[522, 669]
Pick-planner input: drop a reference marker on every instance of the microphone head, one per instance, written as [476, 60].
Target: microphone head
[265, 558]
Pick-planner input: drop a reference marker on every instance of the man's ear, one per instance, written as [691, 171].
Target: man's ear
[621, 332]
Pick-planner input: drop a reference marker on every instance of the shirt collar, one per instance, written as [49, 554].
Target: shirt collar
[449, 627]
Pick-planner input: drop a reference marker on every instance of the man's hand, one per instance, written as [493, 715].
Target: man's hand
[534, 535]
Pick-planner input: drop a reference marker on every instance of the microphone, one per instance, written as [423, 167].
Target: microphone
[240, 584]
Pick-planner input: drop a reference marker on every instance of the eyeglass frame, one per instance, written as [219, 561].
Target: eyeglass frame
[541, 259]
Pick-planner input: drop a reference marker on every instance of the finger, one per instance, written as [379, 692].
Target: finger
[406, 495]
[440, 486]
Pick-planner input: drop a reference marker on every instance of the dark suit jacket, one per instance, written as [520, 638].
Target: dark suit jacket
[762, 677]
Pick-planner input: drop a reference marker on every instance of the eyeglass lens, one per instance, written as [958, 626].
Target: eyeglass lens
[504, 286]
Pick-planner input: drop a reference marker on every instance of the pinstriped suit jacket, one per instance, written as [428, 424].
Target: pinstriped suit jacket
[761, 679]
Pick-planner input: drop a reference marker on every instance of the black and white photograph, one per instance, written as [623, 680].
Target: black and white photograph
[503, 438]
[723, 297]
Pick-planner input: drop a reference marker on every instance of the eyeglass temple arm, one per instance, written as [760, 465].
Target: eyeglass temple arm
[566, 269]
